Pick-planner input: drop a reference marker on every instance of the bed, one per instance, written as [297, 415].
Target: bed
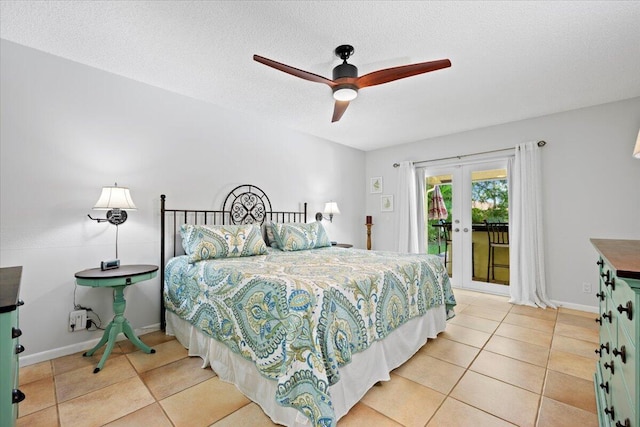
[302, 328]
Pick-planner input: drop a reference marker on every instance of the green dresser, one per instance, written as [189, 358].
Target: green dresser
[617, 377]
[10, 347]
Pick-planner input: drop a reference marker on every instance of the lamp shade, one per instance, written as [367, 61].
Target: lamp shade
[331, 208]
[115, 198]
[636, 151]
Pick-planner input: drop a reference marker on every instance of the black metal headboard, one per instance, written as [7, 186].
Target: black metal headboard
[245, 204]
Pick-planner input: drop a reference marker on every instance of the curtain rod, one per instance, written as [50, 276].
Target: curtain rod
[540, 144]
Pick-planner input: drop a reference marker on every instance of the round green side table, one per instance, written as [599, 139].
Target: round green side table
[118, 279]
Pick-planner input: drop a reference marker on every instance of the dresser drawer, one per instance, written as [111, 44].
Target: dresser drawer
[607, 342]
[609, 320]
[628, 365]
[606, 276]
[624, 304]
[14, 345]
[603, 400]
[8, 368]
[618, 406]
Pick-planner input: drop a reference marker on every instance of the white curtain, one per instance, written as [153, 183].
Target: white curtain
[421, 209]
[526, 247]
[410, 209]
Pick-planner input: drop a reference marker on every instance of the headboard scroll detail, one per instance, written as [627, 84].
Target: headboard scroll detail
[247, 204]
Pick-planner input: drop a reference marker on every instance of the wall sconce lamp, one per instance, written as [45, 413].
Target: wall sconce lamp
[636, 151]
[330, 208]
[114, 200]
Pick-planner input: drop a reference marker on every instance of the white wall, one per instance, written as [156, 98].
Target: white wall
[68, 129]
[591, 184]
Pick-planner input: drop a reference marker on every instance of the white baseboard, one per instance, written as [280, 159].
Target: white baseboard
[78, 347]
[580, 307]
[587, 308]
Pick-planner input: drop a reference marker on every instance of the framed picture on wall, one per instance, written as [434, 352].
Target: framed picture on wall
[376, 184]
[386, 203]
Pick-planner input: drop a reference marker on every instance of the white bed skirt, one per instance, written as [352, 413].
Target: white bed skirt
[356, 378]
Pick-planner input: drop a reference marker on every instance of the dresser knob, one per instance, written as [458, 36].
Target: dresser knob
[15, 332]
[599, 320]
[610, 411]
[611, 282]
[20, 302]
[628, 308]
[600, 296]
[17, 396]
[19, 348]
[600, 262]
[627, 423]
[609, 366]
[608, 315]
[604, 347]
[622, 353]
[605, 387]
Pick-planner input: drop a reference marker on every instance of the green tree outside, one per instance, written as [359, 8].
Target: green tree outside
[490, 202]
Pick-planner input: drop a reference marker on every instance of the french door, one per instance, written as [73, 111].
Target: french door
[473, 193]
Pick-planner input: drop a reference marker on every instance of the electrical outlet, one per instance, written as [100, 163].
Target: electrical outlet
[77, 320]
[586, 287]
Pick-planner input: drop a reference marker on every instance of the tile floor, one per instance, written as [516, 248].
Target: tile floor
[495, 365]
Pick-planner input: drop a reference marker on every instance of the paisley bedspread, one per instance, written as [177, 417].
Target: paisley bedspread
[300, 316]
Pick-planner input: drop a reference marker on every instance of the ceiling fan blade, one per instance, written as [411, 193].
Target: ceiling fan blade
[339, 109]
[401, 72]
[293, 71]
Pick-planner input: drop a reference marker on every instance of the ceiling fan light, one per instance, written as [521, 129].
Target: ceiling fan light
[345, 94]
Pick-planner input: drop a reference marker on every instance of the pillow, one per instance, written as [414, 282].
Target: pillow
[297, 237]
[268, 234]
[201, 242]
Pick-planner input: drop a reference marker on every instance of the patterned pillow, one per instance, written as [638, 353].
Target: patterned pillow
[268, 233]
[297, 237]
[202, 242]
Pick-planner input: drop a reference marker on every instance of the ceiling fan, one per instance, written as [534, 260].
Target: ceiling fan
[346, 83]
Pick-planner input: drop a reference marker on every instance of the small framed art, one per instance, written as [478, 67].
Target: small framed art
[386, 203]
[376, 185]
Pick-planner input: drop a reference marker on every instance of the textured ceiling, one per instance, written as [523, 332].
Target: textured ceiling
[510, 60]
